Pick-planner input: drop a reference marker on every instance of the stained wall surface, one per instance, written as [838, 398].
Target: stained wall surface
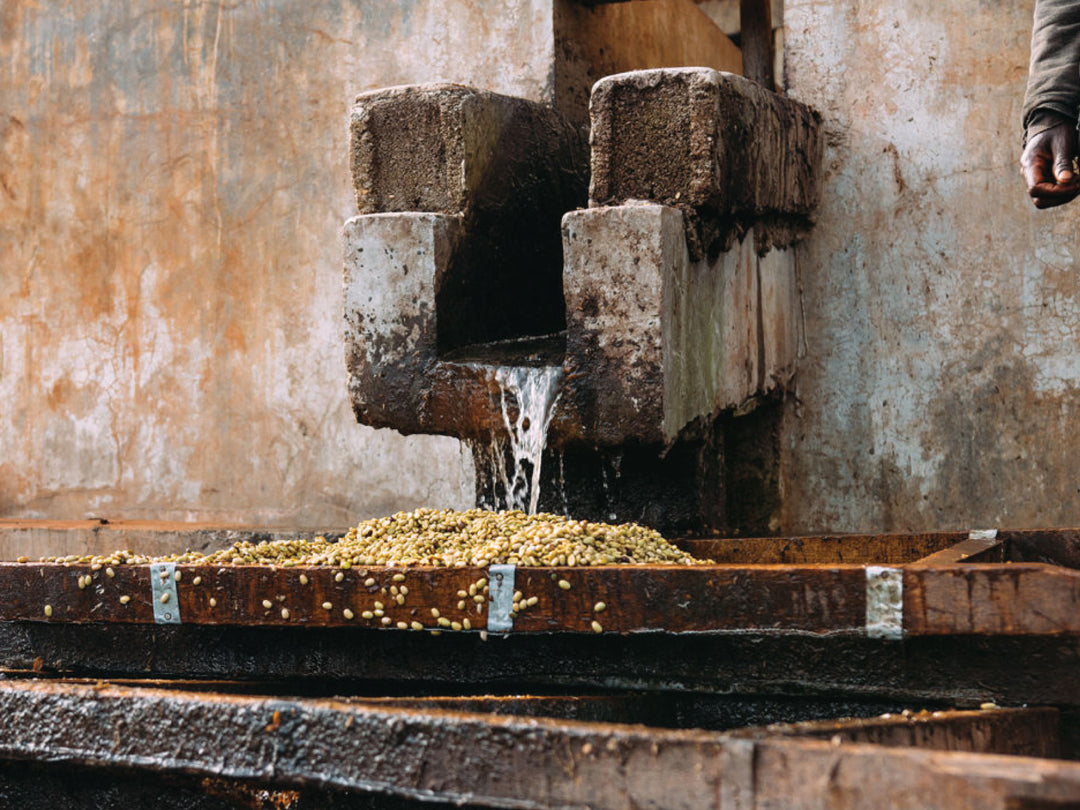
[173, 181]
[941, 386]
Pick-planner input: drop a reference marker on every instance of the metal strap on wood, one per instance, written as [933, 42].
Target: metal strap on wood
[884, 602]
[501, 598]
[163, 593]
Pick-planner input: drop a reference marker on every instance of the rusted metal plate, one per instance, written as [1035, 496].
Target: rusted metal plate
[500, 761]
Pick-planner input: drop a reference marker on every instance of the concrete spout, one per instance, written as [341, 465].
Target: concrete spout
[457, 249]
[668, 301]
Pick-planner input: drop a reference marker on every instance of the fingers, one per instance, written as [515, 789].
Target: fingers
[1053, 196]
[1047, 166]
[1048, 190]
[1034, 168]
[1063, 170]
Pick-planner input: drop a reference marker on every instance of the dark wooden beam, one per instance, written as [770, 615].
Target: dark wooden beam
[1017, 732]
[961, 670]
[443, 756]
[756, 41]
[829, 549]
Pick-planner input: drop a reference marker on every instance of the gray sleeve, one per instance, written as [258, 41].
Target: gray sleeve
[1054, 76]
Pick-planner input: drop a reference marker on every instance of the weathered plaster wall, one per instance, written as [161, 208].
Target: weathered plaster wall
[173, 181]
[940, 388]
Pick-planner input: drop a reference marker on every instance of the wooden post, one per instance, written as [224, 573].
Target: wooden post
[755, 22]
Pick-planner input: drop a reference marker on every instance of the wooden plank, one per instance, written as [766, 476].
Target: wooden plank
[987, 599]
[500, 761]
[326, 744]
[635, 708]
[955, 670]
[756, 41]
[674, 599]
[1010, 599]
[1054, 546]
[977, 548]
[830, 549]
[600, 39]
[698, 599]
[1017, 732]
[655, 34]
[248, 595]
[789, 773]
[34, 538]
[35, 786]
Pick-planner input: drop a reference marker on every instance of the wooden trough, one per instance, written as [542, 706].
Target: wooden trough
[714, 686]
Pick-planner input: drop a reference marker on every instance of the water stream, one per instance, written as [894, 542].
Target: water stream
[514, 461]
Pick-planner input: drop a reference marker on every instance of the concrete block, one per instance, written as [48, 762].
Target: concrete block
[712, 336]
[395, 268]
[392, 267]
[617, 263]
[728, 152]
[740, 320]
[393, 263]
[779, 318]
[508, 167]
[453, 149]
[655, 341]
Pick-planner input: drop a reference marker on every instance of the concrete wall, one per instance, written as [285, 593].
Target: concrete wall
[173, 181]
[940, 387]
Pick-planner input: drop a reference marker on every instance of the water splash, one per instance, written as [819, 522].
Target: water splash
[514, 461]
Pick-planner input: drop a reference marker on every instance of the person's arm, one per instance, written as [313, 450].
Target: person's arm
[1052, 103]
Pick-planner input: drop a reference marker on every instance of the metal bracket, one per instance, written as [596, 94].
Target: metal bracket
[982, 534]
[884, 602]
[500, 619]
[163, 593]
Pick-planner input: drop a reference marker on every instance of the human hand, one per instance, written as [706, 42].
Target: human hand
[1047, 165]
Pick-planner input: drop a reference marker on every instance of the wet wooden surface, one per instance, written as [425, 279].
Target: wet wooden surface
[1053, 546]
[968, 598]
[447, 756]
[878, 549]
[1019, 732]
[618, 598]
[977, 548]
[951, 670]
